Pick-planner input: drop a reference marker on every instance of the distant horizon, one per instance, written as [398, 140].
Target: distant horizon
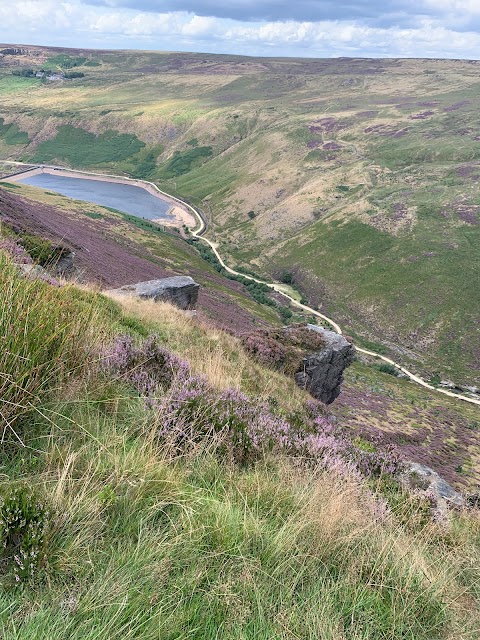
[226, 53]
[409, 29]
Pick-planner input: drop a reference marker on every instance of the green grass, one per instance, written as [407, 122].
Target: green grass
[12, 85]
[141, 542]
[66, 61]
[81, 148]
[412, 283]
[43, 341]
[183, 162]
[9, 185]
[11, 134]
[93, 215]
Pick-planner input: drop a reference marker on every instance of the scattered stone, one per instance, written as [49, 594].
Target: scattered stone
[37, 272]
[33, 271]
[322, 372]
[447, 384]
[64, 264]
[474, 390]
[182, 291]
[473, 500]
[429, 480]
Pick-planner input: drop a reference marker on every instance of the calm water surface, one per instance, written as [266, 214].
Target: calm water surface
[124, 197]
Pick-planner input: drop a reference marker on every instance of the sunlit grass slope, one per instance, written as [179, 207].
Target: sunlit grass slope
[111, 530]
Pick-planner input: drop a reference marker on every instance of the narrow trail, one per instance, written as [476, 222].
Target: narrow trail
[202, 228]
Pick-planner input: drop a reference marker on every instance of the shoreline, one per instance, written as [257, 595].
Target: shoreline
[177, 214]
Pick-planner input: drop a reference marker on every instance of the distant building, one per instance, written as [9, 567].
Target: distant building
[55, 76]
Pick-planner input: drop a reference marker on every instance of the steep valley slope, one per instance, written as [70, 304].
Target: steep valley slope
[111, 250]
[357, 179]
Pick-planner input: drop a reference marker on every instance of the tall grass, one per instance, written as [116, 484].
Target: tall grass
[46, 334]
[210, 352]
[152, 546]
[145, 542]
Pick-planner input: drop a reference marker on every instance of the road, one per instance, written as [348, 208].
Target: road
[199, 231]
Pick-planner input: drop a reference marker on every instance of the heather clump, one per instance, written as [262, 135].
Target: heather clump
[147, 367]
[24, 520]
[193, 410]
[265, 348]
[20, 256]
[18, 253]
[282, 349]
[329, 444]
[190, 410]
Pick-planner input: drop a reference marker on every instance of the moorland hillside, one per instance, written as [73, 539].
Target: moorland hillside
[356, 178]
[159, 483]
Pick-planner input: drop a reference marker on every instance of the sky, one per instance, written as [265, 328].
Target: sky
[302, 28]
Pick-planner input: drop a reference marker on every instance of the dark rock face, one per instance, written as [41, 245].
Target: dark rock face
[64, 264]
[322, 373]
[182, 291]
[473, 500]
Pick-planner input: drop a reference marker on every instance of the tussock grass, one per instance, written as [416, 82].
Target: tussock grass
[146, 543]
[155, 546]
[211, 352]
[47, 335]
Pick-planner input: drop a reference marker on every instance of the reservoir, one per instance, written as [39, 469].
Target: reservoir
[125, 197]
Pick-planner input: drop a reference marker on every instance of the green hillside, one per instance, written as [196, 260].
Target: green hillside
[360, 175]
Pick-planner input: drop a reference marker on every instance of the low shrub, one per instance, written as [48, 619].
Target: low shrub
[189, 410]
[259, 291]
[42, 251]
[282, 349]
[74, 74]
[147, 367]
[184, 161]
[18, 253]
[265, 348]
[387, 368]
[24, 520]
[287, 277]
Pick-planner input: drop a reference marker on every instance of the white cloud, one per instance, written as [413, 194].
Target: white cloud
[74, 23]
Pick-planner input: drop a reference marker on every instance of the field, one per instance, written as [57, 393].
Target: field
[358, 176]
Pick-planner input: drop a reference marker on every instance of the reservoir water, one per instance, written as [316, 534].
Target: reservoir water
[124, 197]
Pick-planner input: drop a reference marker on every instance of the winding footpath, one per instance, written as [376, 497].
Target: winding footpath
[199, 232]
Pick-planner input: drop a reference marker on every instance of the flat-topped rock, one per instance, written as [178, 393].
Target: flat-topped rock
[182, 291]
[322, 372]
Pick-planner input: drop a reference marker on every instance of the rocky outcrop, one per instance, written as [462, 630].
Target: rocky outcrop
[424, 478]
[322, 372]
[64, 261]
[182, 291]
